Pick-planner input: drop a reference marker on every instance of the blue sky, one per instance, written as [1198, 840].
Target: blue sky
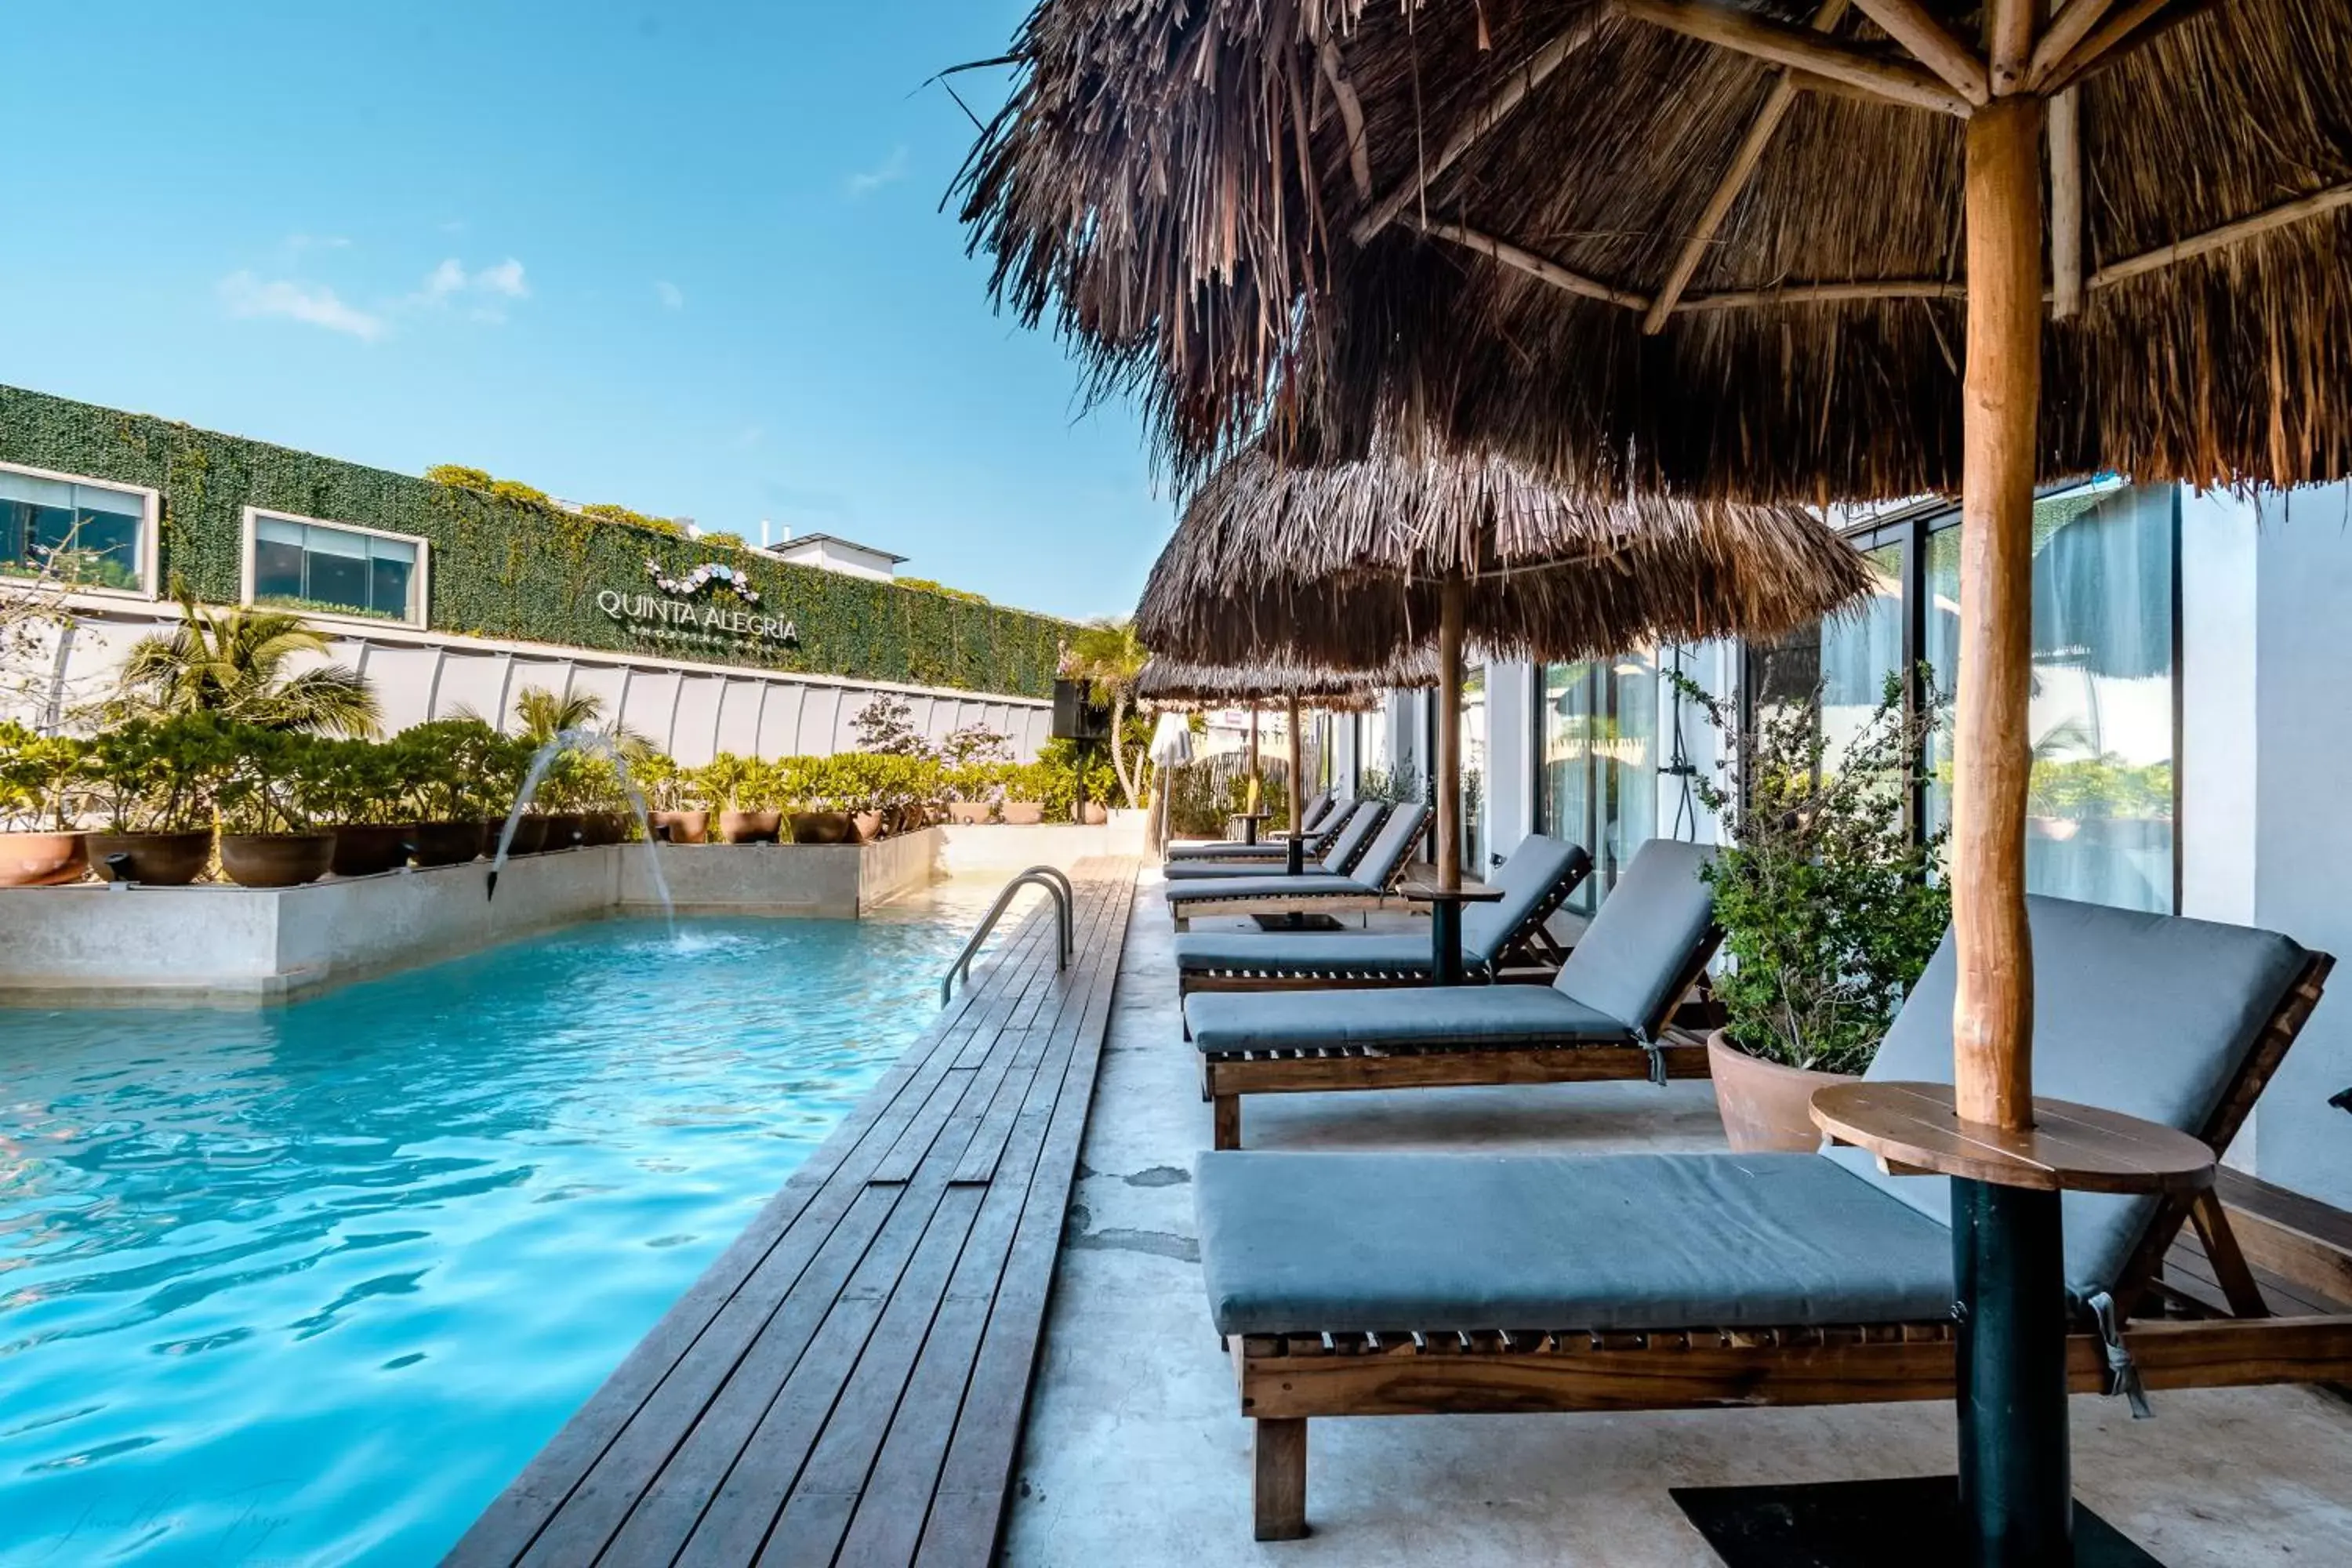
[686, 256]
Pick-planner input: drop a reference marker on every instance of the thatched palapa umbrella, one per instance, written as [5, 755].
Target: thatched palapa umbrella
[1363, 563]
[1174, 682]
[1754, 248]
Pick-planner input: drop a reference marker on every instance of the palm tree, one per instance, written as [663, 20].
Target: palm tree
[1107, 655]
[234, 664]
[540, 715]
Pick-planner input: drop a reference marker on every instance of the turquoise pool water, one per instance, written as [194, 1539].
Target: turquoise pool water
[310, 1285]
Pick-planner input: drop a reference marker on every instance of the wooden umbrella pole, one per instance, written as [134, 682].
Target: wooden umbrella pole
[1257, 783]
[1452, 601]
[1992, 1022]
[1297, 770]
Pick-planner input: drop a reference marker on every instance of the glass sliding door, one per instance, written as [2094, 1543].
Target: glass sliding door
[2100, 820]
[1473, 721]
[1596, 751]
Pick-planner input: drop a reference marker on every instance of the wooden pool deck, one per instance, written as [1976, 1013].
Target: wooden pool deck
[846, 1383]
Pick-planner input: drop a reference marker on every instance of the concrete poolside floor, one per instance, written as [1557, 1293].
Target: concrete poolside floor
[1136, 1454]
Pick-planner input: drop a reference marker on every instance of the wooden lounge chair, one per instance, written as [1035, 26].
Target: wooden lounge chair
[1365, 888]
[1536, 881]
[1389, 1285]
[1322, 817]
[1603, 1018]
[1351, 836]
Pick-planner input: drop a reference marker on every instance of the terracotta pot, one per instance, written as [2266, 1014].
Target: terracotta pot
[158, 859]
[369, 850]
[970, 811]
[1095, 814]
[276, 860]
[821, 827]
[565, 830]
[447, 843]
[1765, 1107]
[601, 827]
[1025, 813]
[685, 826]
[530, 836]
[867, 825]
[42, 859]
[750, 826]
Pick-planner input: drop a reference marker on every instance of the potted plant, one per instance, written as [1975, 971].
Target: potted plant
[1827, 903]
[1024, 786]
[40, 775]
[358, 791]
[268, 803]
[813, 787]
[152, 783]
[973, 759]
[744, 791]
[675, 809]
[452, 771]
[560, 804]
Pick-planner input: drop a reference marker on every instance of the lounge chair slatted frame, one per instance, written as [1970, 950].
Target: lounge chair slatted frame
[1323, 815]
[1531, 950]
[1285, 1379]
[1451, 1065]
[1209, 904]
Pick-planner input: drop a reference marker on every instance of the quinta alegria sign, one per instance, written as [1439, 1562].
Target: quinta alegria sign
[683, 610]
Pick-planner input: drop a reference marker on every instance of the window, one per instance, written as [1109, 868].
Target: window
[333, 569]
[1472, 742]
[1596, 745]
[96, 536]
[2100, 821]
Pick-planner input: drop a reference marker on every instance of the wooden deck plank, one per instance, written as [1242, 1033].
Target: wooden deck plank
[867, 1340]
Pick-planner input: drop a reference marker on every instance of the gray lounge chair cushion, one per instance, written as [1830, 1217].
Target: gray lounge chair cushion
[2150, 1014]
[1302, 1243]
[1532, 873]
[1389, 850]
[1274, 885]
[1210, 871]
[1305, 952]
[1323, 817]
[1635, 955]
[1350, 840]
[1450, 1016]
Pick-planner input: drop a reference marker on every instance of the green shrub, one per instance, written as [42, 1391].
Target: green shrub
[161, 775]
[1827, 909]
[40, 778]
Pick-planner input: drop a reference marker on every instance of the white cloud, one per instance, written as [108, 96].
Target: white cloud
[246, 295]
[450, 281]
[889, 171]
[671, 296]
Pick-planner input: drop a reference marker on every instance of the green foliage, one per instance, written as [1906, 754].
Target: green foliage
[605, 511]
[887, 724]
[277, 783]
[724, 539]
[1202, 795]
[234, 664]
[460, 475]
[39, 777]
[505, 567]
[161, 775]
[457, 770]
[928, 586]
[2089, 788]
[1824, 897]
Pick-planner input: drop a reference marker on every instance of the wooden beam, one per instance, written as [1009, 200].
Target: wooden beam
[1909, 24]
[1826, 294]
[1767, 124]
[2067, 28]
[2100, 38]
[1534, 266]
[1892, 82]
[2066, 204]
[1493, 113]
[1992, 1015]
[1352, 115]
[1453, 596]
[2009, 44]
[2297, 210]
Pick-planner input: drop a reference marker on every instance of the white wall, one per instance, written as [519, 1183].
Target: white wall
[2303, 830]
[688, 709]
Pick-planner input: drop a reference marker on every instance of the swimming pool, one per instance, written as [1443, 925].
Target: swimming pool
[310, 1285]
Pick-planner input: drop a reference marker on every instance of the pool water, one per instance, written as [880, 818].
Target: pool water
[312, 1284]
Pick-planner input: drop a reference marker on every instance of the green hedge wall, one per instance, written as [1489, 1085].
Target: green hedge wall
[508, 569]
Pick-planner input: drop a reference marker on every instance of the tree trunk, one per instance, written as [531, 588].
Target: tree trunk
[1992, 1016]
[1127, 777]
[1298, 768]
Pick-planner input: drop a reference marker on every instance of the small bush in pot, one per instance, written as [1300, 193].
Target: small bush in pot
[41, 777]
[152, 783]
[358, 790]
[269, 806]
[1826, 900]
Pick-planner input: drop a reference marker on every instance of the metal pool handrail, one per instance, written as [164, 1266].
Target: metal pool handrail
[1045, 876]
